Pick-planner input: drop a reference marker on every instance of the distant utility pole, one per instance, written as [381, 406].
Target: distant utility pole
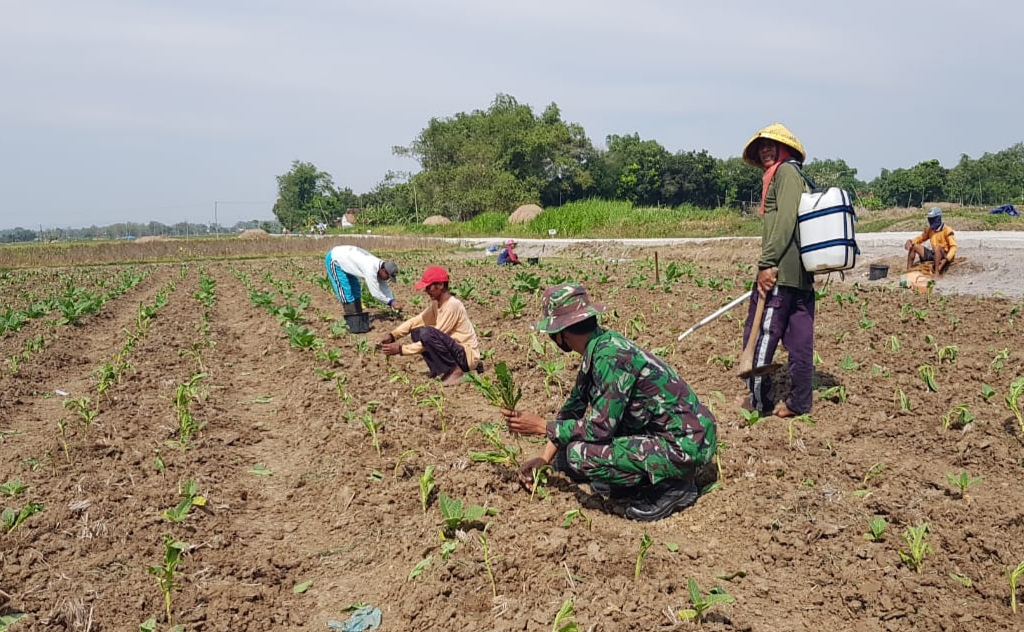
[216, 226]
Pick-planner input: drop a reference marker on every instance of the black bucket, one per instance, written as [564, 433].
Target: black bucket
[358, 323]
[533, 260]
[878, 271]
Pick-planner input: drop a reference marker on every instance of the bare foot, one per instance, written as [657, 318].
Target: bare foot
[453, 377]
[783, 411]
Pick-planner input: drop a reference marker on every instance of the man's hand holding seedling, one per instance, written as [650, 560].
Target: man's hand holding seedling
[388, 346]
[524, 423]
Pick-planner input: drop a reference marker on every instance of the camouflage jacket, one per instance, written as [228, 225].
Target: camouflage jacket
[623, 390]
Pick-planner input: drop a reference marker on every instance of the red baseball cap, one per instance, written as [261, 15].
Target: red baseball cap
[433, 274]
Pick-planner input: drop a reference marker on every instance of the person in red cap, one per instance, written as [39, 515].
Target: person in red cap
[442, 333]
[508, 257]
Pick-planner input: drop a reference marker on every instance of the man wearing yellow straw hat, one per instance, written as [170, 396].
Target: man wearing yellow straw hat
[782, 281]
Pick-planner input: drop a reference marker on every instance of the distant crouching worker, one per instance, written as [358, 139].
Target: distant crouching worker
[508, 256]
[346, 265]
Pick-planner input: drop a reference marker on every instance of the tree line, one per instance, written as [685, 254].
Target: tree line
[131, 230]
[506, 155]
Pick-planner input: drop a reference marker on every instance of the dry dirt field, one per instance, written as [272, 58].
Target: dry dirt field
[208, 393]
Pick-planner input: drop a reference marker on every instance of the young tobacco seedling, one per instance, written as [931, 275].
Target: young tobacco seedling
[750, 417]
[426, 486]
[12, 519]
[540, 479]
[456, 516]
[962, 481]
[501, 393]
[1013, 401]
[645, 545]
[957, 417]
[876, 529]
[836, 394]
[701, 603]
[373, 428]
[166, 574]
[189, 492]
[572, 515]
[805, 419]
[502, 454]
[1013, 576]
[901, 401]
[987, 392]
[482, 537]
[927, 373]
[916, 539]
[564, 621]
[13, 487]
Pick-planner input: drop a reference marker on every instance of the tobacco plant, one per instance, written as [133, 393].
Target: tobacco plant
[1013, 401]
[962, 481]
[373, 428]
[426, 486]
[167, 573]
[501, 393]
[12, 518]
[927, 373]
[459, 517]
[999, 361]
[901, 401]
[571, 515]
[916, 539]
[876, 529]
[190, 497]
[564, 621]
[488, 560]
[1013, 576]
[805, 419]
[700, 603]
[516, 305]
[502, 453]
[959, 416]
[646, 542]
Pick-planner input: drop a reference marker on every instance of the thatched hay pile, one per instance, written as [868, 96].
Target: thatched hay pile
[524, 214]
[436, 220]
[252, 233]
[150, 238]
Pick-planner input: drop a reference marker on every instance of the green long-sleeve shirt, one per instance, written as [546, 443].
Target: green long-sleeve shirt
[779, 247]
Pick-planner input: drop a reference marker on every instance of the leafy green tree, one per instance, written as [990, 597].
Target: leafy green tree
[834, 172]
[306, 195]
[740, 181]
[633, 170]
[497, 159]
[692, 178]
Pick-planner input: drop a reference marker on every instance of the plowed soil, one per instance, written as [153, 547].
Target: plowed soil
[295, 491]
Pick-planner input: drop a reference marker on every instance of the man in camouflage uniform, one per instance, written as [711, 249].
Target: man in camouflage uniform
[631, 426]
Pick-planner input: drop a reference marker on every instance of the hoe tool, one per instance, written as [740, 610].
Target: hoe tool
[712, 317]
[747, 368]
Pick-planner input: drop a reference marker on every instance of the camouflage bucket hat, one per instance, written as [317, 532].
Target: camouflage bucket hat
[566, 305]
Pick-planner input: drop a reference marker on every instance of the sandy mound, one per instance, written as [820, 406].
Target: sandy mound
[149, 238]
[436, 220]
[524, 213]
[252, 233]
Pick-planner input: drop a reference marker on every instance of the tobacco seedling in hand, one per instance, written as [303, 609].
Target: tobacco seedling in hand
[501, 393]
[917, 542]
[876, 529]
[701, 603]
[646, 542]
[426, 486]
[962, 481]
[165, 575]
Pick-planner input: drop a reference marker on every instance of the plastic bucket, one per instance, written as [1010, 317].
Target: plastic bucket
[533, 260]
[358, 323]
[878, 271]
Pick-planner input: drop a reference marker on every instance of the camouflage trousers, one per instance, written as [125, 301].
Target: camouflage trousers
[626, 461]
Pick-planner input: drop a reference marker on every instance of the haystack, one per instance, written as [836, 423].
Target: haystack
[524, 214]
[252, 233]
[150, 238]
[436, 220]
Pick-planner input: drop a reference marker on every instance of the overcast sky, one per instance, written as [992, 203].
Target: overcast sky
[141, 110]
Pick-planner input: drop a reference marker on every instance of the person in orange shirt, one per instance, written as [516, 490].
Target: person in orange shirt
[943, 245]
[442, 333]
